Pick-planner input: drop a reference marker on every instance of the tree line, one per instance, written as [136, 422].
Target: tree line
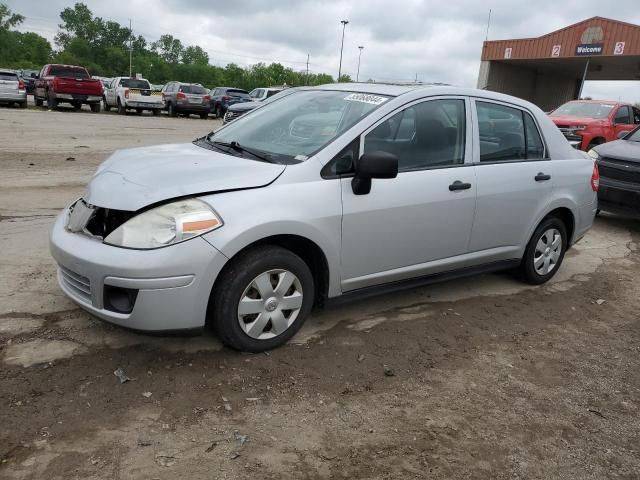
[102, 46]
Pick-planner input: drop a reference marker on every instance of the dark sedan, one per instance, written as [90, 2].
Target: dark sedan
[619, 165]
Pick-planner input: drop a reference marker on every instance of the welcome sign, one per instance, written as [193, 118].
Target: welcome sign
[589, 49]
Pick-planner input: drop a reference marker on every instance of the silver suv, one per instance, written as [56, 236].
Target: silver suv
[335, 191]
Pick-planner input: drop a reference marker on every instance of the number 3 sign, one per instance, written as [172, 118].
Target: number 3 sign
[619, 49]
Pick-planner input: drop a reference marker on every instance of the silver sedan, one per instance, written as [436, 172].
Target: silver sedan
[12, 88]
[339, 191]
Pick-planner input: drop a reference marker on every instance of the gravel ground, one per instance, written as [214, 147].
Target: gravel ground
[476, 378]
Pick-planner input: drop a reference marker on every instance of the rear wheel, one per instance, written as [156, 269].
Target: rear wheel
[107, 108]
[139, 111]
[545, 251]
[23, 104]
[38, 101]
[219, 113]
[77, 106]
[155, 112]
[262, 299]
[121, 109]
[204, 116]
[171, 110]
[95, 107]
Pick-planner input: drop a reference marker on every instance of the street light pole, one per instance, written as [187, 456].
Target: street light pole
[359, 57]
[344, 24]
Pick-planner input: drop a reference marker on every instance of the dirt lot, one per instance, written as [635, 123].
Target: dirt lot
[486, 378]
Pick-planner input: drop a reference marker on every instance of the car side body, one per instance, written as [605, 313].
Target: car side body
[608, 121]
[431, 221]
[186, 99]
[124, 93]
[619, 166]
[68, 84]
[13, 89]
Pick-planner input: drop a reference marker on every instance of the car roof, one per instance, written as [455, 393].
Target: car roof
[8, 70]
[603, 102]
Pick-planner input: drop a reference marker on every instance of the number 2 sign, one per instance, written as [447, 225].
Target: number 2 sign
[619, 48]
[555, 51]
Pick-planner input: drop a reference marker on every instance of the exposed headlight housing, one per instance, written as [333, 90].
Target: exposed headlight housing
[165, 225]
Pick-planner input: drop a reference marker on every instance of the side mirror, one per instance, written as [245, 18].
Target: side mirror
[623, 134]
[371, 165]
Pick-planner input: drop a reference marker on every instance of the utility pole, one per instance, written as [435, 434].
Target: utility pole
[344, 24]
[488, 25]
[359, 57]
[307, 76]
[130, 50]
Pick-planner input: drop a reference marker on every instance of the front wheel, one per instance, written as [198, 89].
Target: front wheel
[23, 104]
[155, 112]
[262, 298]
[121, 109]
[171, 110]
[219, 113]
[38, 101]
[95, 107]
[204, 116]
[545, 251]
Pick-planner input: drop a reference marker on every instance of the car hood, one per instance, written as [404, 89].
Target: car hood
[244, 107]
[620, 149]
[571, 120]
[134, 178]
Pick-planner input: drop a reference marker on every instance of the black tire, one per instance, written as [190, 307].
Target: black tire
[38, 101]
[204, 116]
[77, 106]
[219, 112]
[527, 268]
[52, 102]
[23, 104]
[139, 111]
[171, 111]
[95, 107]
[106, 106]
[121, 109]
[237, 276]
[155, 112]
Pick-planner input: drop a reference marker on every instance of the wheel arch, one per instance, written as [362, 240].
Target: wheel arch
[308, 250]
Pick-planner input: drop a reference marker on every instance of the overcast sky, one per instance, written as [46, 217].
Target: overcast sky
[435, 40]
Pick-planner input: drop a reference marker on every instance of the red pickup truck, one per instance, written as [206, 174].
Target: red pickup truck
[587, 123]
[70, 84]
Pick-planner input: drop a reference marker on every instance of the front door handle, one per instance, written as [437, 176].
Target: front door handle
[541, 177]
[458, 185]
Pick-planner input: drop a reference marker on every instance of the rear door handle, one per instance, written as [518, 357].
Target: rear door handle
[541, 177]
[458, 185]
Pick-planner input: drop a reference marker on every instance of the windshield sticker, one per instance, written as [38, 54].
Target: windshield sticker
[366, 98]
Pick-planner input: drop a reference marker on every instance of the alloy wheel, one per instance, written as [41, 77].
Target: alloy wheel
[270, 304]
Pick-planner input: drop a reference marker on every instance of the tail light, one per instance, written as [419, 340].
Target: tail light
[226, 98]
[181, 96]
[21, 85]
[206, 99]
[595, 178]
[126, 93]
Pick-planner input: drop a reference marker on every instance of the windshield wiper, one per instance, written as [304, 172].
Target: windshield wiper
[238, 148]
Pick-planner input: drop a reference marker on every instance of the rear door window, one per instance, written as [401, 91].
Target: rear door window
[507, 134]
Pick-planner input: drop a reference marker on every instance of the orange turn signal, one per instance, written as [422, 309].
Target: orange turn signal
[200, 225]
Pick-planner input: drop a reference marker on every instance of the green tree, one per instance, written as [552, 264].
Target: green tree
[169, 48]
[8, 19]
[195, 56]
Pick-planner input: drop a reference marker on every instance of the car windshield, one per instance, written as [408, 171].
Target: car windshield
[8, 76]
[134, 83]
[194, 89]
[583, 109]
[297, 126]
[62, 71]
[634, 136]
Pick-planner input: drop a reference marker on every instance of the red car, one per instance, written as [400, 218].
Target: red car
[587, 123]
[70, 84]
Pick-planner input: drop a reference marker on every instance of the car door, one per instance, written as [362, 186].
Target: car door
[623, 120]
[418, 222]
[110, 93]
[514, 180]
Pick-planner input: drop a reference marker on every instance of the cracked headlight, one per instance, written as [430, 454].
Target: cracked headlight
[165, 225]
